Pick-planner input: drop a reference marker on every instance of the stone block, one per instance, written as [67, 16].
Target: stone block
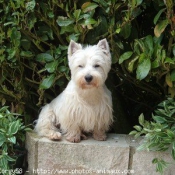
[87, 157]
[142, 162]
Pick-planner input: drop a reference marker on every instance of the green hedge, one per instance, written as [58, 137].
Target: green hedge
[34, 36]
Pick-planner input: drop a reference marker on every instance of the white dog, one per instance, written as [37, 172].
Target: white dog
[86, 104]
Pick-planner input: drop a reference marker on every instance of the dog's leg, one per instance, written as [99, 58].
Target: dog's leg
[99, 134]
[46, 124]
[73, 135]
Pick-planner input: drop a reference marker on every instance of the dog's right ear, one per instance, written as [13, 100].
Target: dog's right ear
[73, 47]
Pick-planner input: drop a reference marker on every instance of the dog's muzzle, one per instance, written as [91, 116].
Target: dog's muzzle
[88, 78]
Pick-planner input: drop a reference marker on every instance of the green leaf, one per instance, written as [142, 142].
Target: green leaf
[126, 30]
[141, 119]
[44, 57]
[133, 133]
[132, 63]
[159, 119]
[168, 80]
[143, 67]
[155, 160]
[10, 159]
[156, 18]
[30, 5]
[173, 153]
[160, 27]
[15, 36]
[88, 6]
[161, 165]
[173, 75]
[139, 2]
[51, 14]
[125, 56]
[155, 63]
[47, 82]
[2, 139]
[139, 46]
[26, 54]
[149, 44]
[77, 14]
[26, 44]
[12, 139]
[52, 66]
[64, 21]
[89, 21]
[169, 60]
[4, 162]
[13, 127]
[138, 128]
[62, 69]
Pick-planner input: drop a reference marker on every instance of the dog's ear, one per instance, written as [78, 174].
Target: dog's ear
[103, 44]
[73, 47]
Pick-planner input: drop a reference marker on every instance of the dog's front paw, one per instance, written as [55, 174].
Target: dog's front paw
[74, 139]
[55, 135]
[99, 137]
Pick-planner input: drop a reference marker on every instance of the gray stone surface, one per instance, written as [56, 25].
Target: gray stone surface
[142, 162]
[87, 157]
[118, 155]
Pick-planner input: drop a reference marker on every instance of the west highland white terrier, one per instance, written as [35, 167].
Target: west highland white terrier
[85, 106]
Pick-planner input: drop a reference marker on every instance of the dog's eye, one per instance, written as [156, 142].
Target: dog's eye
[96, 65]
[80, 66]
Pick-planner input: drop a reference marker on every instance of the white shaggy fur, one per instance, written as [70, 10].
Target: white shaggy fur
[85, 105]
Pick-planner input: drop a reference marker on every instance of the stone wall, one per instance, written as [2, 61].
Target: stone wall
[117, 155]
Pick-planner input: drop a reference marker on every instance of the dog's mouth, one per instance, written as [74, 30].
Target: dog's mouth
[87, 85]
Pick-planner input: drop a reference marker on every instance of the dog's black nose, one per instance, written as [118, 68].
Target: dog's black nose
[88, 78]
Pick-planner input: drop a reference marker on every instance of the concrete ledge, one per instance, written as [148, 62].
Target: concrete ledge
[117, 155]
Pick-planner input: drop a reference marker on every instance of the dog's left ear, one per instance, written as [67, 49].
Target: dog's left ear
[73, 47]
[103, 44]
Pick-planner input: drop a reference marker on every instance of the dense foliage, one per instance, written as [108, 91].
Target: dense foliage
[159, 133]
[34, 36]
[12, 138]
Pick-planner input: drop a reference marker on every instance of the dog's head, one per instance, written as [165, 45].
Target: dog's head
[89, 65]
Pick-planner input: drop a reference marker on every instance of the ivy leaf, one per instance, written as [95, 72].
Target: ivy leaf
[47, 82]
[160, 27]
[125, 56]
[143, 67]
